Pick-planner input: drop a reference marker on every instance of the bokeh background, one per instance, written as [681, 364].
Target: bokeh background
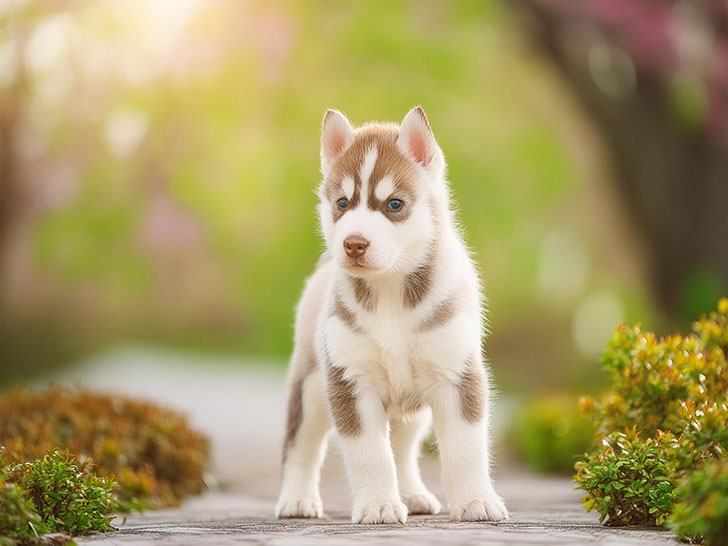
[159, 160]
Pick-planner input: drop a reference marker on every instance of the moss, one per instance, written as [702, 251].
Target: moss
[154, 455]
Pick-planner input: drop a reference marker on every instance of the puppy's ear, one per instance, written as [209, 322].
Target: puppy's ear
[337, 134]
[417, 141]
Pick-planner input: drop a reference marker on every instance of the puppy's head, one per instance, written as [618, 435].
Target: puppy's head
[380, 185]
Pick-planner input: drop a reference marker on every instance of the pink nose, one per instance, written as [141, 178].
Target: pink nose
[355, 246]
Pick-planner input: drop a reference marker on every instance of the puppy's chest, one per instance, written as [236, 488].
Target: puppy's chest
[396, 352]
[390, 328]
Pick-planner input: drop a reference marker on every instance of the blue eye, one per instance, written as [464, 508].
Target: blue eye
[394, 204]
[342, 203]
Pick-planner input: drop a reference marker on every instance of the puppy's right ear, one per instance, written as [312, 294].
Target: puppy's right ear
[337, 134]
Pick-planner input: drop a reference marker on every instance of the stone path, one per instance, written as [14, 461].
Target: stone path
[543, 511]
[241, 408]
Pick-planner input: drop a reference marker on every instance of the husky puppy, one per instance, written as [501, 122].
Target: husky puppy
[388, 334]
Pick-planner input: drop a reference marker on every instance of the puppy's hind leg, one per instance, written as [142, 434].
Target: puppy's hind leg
[406, 436]
[304, 450]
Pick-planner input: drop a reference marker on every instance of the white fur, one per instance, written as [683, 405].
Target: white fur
[347, 184]
[385, 188]
[300, 493]
[389, 359]
[406, 436]
[367, 166]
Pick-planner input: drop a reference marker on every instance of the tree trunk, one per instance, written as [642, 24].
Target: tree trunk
[674, 182]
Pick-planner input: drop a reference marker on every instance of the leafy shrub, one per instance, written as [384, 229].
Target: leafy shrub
[629, 479]
[153, 454]
[550, 432]
[55, 494]
[664, 418]
[19, 522]
[703, 512]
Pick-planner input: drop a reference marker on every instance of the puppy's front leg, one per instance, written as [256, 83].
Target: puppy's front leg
[362, 423]
[460, 421]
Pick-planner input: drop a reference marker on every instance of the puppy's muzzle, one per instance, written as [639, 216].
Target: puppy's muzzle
[355, 246]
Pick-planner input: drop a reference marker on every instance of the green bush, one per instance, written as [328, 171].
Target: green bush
[549, 433]
[629, 479]
[67, 495]
[151, 451]
[142, 456]
[55, 494]
[703, 512]
[19, 522]
[664, 419]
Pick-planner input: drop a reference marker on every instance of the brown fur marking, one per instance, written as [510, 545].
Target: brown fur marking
[363, 293]
[418, 282]
[390, 161]
[294, 415]
[342, 401]
[342, 312]
[443, 312]
[473, 392]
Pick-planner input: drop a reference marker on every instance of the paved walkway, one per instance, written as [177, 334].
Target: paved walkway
[544, 511]
[241, 408]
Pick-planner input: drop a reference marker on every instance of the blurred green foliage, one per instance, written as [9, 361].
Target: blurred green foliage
[19, 521]
[703, 513]
[173, 169]
[550, 433]
[664, 419]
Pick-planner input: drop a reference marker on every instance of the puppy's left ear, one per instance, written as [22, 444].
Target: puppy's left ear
[418, 143]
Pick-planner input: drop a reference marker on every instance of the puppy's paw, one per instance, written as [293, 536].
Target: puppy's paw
[299, 507]
[486, 508]
[380, 512]
[423, 502]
